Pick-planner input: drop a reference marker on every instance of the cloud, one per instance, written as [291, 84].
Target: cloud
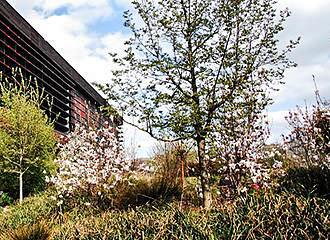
[69, 31]
[278, 125]
[306, 6]
[141, 141]
[124, 3]
[310, 21]
[299, 86]
[47, 7]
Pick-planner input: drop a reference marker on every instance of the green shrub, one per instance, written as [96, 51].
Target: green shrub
[163, 184]
[308, 182]
[257, 216]
[5, 199]
[147, 222]
[34, 182]
[171, 160]
[272, 216]
[31, 211]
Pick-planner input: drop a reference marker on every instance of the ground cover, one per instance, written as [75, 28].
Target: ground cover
[254, 215]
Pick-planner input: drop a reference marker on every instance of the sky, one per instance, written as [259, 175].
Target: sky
[85, 31]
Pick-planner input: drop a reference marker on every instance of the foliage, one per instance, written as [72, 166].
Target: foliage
[272, 216]
[146, 189]
[34, 182]
[308, 182]
[38, 231]
[27, 143]
[263, 215]
[309, 138]
[161, 179]
[189, 64]
[31, 211]
[173, 160]
[5, 199]
[9, 184]
[90, 163]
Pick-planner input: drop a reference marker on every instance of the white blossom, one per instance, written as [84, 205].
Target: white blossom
[88, 161]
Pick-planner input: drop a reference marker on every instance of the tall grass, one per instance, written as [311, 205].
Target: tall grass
[38, 231]
[255, 216]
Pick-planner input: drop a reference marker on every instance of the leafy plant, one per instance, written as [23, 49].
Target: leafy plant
[145, 189]
[31, 211]
[189, 64]
[27, 142]
[5, 199]
[258, 215]
[308, 182]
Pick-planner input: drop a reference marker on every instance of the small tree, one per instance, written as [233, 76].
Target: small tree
[189, 63]
[27, 139]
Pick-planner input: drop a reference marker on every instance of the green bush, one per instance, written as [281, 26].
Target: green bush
[273, 216]
[308, 182]
[264, 216]
[31, 211]
[147, 222]
[163, 184]
[5, 199]
[34, 182]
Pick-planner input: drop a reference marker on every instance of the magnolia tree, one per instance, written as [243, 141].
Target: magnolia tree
[310, 133]
[90, 162]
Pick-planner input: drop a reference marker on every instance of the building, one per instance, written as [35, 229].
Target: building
[74, 99]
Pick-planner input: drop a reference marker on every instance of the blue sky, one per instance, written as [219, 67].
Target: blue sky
[85, 31]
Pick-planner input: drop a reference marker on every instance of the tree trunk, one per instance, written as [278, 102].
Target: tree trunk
[20, 186]
[207, 198]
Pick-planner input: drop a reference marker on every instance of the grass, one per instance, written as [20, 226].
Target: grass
[153, 208]
[38, 231]
[265, 215]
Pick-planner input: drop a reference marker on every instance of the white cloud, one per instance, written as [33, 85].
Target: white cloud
[306, 6]
[299, 84]
[49, 6]
[278, 125]
[309, 20]
[71, 35]
[141, 141]
[124, 3]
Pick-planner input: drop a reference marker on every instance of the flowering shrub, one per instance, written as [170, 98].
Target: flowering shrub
[310, 135]
[91, 162]
[240, 151]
